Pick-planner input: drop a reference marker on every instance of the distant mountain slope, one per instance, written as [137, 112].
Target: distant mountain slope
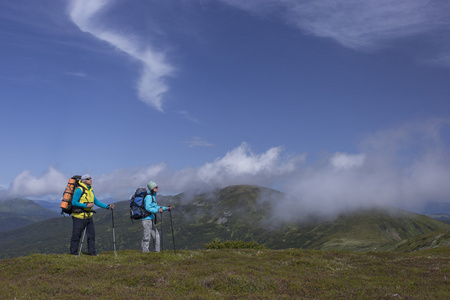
[441, 217]
[232, 213]
[17, 213]
[425, 241]
[374, 229]
[240, 212]
[50, 205]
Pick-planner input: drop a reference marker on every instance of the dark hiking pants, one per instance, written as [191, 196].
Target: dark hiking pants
[77, 231]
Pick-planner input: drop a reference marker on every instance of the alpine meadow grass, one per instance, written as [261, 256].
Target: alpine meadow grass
[229, 274]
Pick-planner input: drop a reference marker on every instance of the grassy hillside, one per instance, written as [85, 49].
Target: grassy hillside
[425, 241]
[17, 213]
[374, 229]
[241, 213]
[233, 213]
[229, 274]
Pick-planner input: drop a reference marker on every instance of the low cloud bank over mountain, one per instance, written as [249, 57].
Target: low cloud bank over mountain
[405, 166]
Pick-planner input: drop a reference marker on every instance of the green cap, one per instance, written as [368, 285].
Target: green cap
[151, 185]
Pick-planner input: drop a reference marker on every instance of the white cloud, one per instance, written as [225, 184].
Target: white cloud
[347, 161]
[357, 24]
[367, 25]
[188, 116]
[86, 14]
[120, 184]
[25, 184]
[405, 166]
[239, 166]
[3, 192]
[198, 142]
[77, 74]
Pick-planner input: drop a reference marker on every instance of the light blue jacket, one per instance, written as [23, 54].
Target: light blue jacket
[152, 206]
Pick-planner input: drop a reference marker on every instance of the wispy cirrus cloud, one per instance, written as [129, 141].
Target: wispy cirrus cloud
[198, 142]
[188, 116]
[88, 16]
[365, 25]
[77, 74]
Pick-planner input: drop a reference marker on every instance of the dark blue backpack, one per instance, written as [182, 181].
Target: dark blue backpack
[137, 205]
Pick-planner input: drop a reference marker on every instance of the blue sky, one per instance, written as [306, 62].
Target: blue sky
[338, 103]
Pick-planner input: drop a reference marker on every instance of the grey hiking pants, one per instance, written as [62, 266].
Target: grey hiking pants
[150, 230]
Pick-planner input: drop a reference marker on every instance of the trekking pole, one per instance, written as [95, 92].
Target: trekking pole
[161, 234]
[173, 236]
[114, 234]
[84, 234]
[82, 239]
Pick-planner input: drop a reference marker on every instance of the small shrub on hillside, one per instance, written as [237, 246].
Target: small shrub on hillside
[233, 245]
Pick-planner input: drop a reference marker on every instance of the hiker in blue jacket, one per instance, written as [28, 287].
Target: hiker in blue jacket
[148, 223]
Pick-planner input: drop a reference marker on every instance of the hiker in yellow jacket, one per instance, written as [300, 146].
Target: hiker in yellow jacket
[83, 201]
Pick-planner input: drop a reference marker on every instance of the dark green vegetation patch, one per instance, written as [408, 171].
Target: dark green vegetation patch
[233, 245]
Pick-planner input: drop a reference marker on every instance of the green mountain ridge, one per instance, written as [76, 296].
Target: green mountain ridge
[17, 213]
[233, 213]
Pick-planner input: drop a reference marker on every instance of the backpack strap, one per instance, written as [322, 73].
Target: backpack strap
[81, 210]
[83, 190]
[143, 200]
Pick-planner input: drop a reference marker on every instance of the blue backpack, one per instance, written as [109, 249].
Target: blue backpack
[137, 205]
